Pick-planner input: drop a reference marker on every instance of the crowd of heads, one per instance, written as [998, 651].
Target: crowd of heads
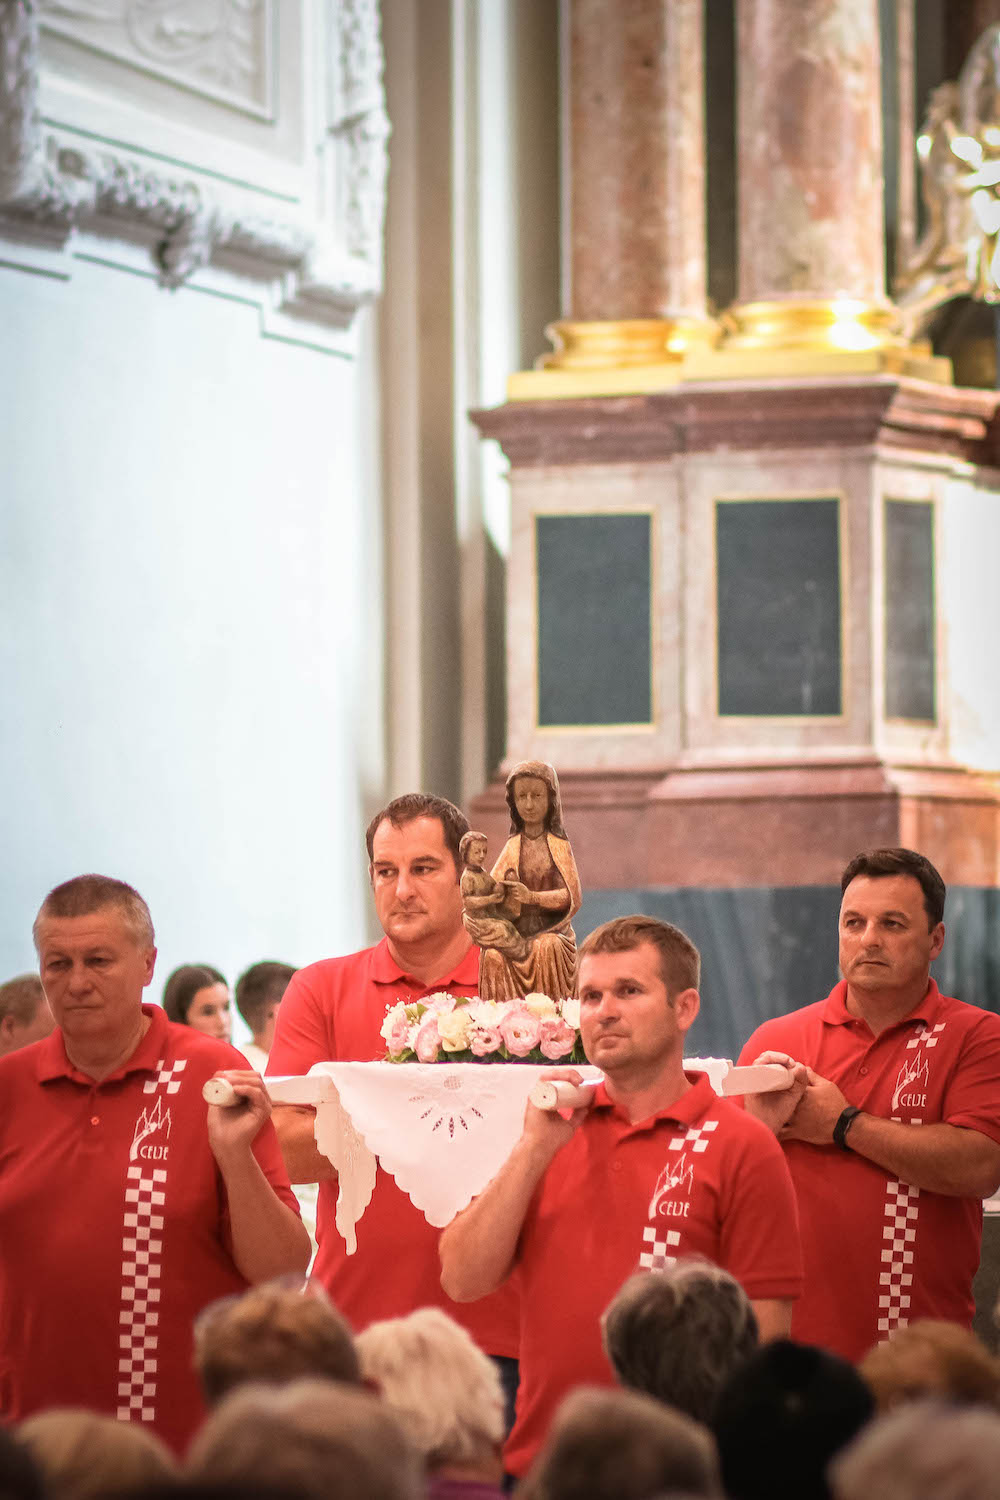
[300, 1408]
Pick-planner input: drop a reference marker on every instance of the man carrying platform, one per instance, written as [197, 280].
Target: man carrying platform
[892, 1126]
[333, 1011]
[656, 1168]
[126, 1204]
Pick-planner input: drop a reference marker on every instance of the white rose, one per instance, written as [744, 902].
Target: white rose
[485, 1013]
[395, 1014]
[454, 1028]
[571, 1013]
[541, 1006]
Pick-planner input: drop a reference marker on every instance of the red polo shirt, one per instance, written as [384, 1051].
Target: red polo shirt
[701, 1177]
[333, 1011]
[879, 1253]
[114, 1228]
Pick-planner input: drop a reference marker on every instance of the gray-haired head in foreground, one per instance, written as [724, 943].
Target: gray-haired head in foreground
[619, 1445]
[312, 1438]
[446, 1391]
[924, 1451]
[86, 894]
[678, 1334]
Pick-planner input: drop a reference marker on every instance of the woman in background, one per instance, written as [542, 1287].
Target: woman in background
[197, 995]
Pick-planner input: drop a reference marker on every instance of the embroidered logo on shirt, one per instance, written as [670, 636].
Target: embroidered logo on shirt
[672, 1196]
[155, 1121]
[911, 1084]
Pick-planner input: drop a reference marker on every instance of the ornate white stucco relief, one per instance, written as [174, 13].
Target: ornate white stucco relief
[321, 251]
[223, 49]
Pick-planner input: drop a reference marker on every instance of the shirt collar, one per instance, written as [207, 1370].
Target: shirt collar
[51, 1061]
[385, 970]
[691, 1107]
[835, 1012]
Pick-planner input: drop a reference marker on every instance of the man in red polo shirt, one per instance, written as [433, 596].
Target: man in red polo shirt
[656, 1168]
[333, 1011]
[892, 1128]
[126, 1203]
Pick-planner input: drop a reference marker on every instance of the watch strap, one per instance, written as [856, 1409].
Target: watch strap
[843, 1125]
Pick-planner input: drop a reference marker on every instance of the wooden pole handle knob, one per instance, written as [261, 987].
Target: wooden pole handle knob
[557, 1093]
[221, 1091]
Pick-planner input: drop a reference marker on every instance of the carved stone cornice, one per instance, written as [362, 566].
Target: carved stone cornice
[888, 411]
[49, 186]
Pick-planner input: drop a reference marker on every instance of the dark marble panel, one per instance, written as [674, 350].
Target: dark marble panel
[778, 602]
[909, 610]
[594, 615]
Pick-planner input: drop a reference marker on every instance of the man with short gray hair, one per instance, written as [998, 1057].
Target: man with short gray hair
[126, 1203]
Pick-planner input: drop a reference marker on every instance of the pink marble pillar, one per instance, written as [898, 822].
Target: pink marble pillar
[811, 223]
[636, 154]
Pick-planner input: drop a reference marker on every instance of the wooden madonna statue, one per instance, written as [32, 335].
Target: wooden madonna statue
[521, 914]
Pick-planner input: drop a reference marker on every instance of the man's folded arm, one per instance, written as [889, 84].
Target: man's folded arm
[479, 1247]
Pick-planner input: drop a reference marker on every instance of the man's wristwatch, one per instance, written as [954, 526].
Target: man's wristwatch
[843, 1125]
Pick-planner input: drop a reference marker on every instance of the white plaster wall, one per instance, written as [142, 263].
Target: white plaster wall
[190, 658]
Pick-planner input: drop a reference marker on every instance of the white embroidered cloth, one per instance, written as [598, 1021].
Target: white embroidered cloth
[442, 1130]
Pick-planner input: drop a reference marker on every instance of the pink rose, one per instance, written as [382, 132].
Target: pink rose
[440, 1002]
[399, 1036]
[484, 1040]
[428, 1039]
[520, 1031]
[557, 1039]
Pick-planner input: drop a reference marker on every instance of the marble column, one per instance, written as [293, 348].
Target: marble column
[811, 222]
[635, 156]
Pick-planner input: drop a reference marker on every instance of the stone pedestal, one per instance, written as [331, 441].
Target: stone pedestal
[743, 627]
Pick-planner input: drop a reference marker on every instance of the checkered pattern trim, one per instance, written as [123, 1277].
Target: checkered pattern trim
[899, 1235]
[658, 1256]
[926, 1038]
[902, 1206]
[698, 1137]
[167, 1076]
[138, 1319]
[142, 1246]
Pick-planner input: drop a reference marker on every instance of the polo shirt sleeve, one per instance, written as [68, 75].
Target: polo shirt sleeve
[972, 1097]
[303, 1033]
[759, 1242]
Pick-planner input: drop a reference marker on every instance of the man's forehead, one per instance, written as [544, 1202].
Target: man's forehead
[628, 962]
[883, 893]
[409, 840]
[106, 925]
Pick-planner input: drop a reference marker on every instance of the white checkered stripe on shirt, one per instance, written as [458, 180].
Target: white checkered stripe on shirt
[167, 1077]
[698, 1137]
[926, 1038]
[899, 1233]
[658, 1256]
[137, 1339]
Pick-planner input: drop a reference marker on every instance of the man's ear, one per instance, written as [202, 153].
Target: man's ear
[937, 940]
[6, 1027]
[686, 1007]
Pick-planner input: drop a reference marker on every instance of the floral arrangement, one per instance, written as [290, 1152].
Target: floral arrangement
[449, 1028]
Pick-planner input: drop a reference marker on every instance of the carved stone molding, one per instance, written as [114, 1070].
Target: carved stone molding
[220, 48]
[50, 185]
